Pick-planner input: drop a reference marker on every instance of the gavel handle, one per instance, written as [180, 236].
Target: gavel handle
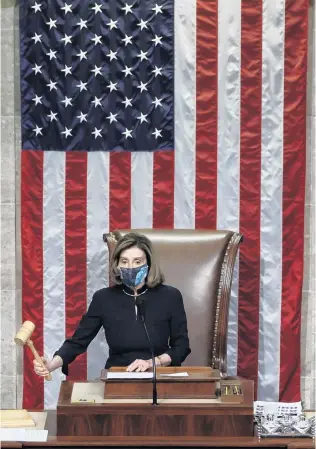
[38, 358]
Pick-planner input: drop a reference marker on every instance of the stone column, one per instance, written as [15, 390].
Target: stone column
[11, 358]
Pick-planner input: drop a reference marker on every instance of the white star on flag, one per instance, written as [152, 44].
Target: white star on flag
[157, 71]
[127, 71]
[127, 102]
[112, 55]
[96, 101]
[112, 117]
[157, 102]
[127, 39]
[96, 70]
[67, 101]
[67, 8]
[82, 86]
[52, 54]
[142, 86]
[38, 131]
[157, 9]
[37, 38]
[82, 117]
[67, 132]
[37, 69]
[37, 99]
[51, 23]
[37, 7]
[143, 24]
[142, 55]
[82, 24]
[112, 24]
[67, 70]
[52, 85]
[97, 8]
[97, 39]
[52, 116]
[66, 39]
[127, 133]
[112, 86]
[97, 132]
[82, 55]
[157, 40]
[157, 133]
[127, 8]
[142, 117]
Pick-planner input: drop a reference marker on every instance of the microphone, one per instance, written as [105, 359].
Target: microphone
[141, 314]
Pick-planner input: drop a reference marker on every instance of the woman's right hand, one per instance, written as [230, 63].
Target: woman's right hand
[48, 367]
[41, 370]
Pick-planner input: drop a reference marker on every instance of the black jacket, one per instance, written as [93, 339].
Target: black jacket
[113, 309]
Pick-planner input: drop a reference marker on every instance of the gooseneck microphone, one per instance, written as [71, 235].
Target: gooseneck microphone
[141, 314]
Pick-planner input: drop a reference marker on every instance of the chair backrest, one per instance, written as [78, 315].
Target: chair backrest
[200, 264]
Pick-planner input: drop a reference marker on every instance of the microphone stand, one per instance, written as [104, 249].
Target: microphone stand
[154, 365]
[140, 306]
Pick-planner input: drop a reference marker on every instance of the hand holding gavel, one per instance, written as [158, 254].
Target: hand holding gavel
[23, 338]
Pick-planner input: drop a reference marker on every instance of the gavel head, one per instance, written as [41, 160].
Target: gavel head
[24, 333]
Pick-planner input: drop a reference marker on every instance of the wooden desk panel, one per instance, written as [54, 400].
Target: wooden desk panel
[140, 419]
[163, 442]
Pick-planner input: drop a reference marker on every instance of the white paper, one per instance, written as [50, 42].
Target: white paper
[277, 408]
[87, 392]
[40, 419]
[19, 434]
[185, 374]
[128, 375]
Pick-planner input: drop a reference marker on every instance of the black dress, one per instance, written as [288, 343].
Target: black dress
[115, 310]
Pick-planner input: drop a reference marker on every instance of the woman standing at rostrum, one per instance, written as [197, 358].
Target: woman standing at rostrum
[136, 274]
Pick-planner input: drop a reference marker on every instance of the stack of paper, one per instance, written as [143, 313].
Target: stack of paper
[128, 375]
[23, 435]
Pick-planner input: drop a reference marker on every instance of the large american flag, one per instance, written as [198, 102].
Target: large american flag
[164, 114]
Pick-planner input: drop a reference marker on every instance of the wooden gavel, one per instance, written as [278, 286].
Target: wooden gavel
[22, 338]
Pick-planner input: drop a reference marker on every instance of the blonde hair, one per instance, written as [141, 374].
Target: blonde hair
[132, 239]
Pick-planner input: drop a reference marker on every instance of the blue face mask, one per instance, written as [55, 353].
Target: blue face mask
[132, 277]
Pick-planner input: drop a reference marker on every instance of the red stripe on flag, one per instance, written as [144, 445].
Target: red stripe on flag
[163, 190]
[120, 190]
[32, 270]
[206, 114]
[250, 188]
[294, 171]
[75, 251]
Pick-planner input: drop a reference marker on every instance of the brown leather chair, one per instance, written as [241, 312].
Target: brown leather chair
[200, 264]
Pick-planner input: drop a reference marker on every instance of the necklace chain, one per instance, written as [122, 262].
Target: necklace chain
[129, 294]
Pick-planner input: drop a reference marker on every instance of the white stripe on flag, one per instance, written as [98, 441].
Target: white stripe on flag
[53, 265]
[271, 200]
[97, 255]
[228, 155]
[185, 111]
[142, 190]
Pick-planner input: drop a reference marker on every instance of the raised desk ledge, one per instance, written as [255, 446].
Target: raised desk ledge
[216, 442]
[70, 391]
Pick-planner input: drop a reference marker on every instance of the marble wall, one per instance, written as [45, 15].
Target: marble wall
[11, 357]
[10, 279]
